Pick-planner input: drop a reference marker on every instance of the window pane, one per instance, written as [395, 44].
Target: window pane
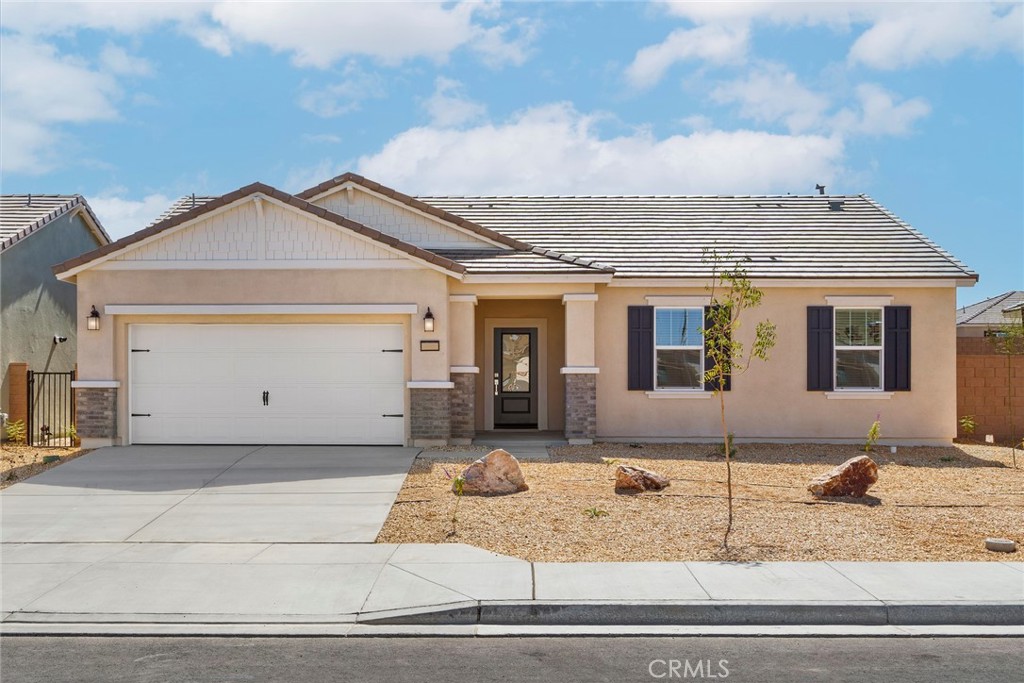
[858, 369]
[680, 369]
[679, 327]
[515, 363]
[858, 327]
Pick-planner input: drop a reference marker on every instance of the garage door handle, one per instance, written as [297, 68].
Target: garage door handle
[266, 398]
[141, 415]
[393, 415]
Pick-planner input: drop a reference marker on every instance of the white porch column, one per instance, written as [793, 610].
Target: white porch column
[580, 371]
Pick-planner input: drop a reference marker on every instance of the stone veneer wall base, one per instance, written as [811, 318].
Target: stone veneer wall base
[96, 412]
[463, 408]
[580, 408]
[430, 422]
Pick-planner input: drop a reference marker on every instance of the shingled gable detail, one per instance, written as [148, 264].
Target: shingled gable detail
[146, 236]
[338, 183]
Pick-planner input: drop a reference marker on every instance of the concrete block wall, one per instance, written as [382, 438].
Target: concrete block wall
[988, 385]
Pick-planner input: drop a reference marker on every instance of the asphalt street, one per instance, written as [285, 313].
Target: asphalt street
[486, 660]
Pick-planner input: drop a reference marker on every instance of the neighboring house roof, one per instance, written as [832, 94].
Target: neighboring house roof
[259, 188]
[23, 214]
[990, 311]
[664, 236]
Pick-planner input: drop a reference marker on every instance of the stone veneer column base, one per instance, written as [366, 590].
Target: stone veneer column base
[463, 408]
[430, 420]
[96, 412]
[580, 408]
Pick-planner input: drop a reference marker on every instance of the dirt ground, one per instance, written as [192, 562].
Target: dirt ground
[18, 462]
[930, 504]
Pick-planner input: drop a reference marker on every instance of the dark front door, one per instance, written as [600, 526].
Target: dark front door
[515, 380]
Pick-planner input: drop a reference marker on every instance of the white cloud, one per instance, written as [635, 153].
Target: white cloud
[449, 106]
[116, 60]
[322, 138]
[772, 94]
[316, 34]
[938, 32]
[41, 90]
[321, 34]
[898, 34]
[52, 18]
[716, 44]
[121, 216]
[556, 149]
[346, 95]
[880, 113]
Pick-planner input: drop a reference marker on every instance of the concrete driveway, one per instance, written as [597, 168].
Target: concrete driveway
[210, 494]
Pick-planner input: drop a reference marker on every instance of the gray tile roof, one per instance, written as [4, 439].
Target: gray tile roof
[537, 262]
[181, 206]
[23, 214]
[663, 236]
[990, 311]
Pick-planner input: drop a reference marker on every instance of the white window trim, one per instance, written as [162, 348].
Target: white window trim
[836, 348]
[654, 356]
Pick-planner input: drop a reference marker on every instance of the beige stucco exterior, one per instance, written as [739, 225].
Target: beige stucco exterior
[583, 321]
[770, 401]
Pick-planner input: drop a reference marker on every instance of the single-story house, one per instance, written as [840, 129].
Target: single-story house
[988, 379]
[351, 313]
[38, 312]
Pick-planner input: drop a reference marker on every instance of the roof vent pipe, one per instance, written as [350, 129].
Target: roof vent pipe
[193, 200]
[820, 189]
[29, 202]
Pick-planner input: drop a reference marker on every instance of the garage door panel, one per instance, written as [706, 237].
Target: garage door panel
[326, 384]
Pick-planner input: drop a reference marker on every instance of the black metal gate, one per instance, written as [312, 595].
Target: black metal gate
[51, 410]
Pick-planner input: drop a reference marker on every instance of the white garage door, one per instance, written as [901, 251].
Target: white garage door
[264, 384]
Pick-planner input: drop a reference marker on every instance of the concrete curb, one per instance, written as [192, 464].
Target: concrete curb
[704, 613]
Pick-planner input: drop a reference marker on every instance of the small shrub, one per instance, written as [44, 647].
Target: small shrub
[16, 431]
[874, 432]
[732, 447]
[968, 425]
[594, 512]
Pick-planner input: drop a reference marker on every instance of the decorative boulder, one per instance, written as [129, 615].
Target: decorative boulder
[496, 473]
[638, 479]
[851, 479]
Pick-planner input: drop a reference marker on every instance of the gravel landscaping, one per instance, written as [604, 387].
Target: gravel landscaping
[19, 462]
[930, 504]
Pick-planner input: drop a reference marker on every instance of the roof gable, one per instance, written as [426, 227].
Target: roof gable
[24, 214]
[992, 311]
[256, 225]
[403, 216]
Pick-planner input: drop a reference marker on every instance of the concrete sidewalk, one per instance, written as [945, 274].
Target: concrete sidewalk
[329, 587]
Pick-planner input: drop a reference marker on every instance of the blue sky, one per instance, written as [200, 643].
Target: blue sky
[920, 105]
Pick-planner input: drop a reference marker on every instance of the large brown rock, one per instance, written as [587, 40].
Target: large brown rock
[638, 479]
[853, 479]
[496, 473]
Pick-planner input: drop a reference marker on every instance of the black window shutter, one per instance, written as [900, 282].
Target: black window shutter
[708, 363]
[897, 348]
[820, 342]
[641, 348]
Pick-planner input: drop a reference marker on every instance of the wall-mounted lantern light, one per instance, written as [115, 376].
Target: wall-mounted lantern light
[93, 321]
[428, 321]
